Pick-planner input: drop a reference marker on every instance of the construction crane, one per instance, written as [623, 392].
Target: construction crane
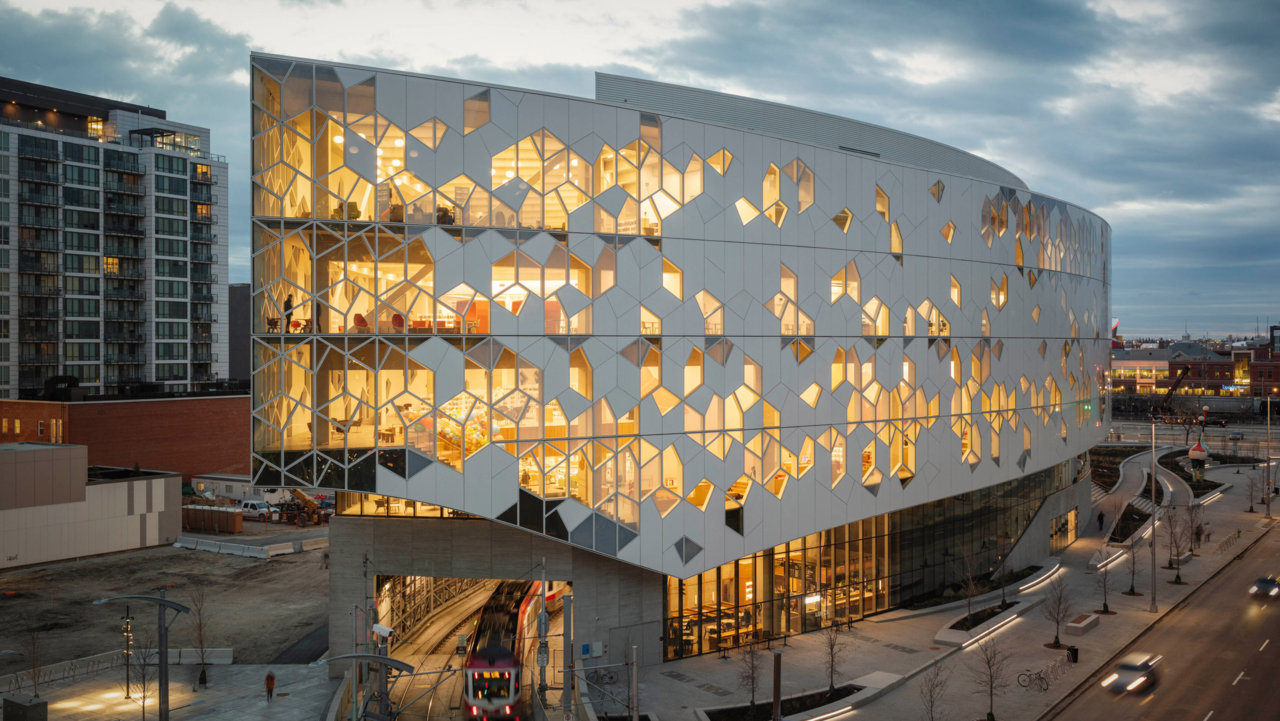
[1162, 410]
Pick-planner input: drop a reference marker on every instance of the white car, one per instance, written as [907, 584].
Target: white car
[260, 510]
[1135, 673]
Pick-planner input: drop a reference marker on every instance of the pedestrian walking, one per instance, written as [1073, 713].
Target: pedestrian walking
[1101, 517]
[271, 685]
[1199, 533]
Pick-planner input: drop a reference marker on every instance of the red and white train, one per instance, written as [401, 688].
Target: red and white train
[505, 632]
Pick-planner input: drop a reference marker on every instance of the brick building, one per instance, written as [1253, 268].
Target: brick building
[190, 435]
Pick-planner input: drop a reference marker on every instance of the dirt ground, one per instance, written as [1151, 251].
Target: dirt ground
[258, 607]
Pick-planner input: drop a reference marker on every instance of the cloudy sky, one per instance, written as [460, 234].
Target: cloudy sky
[1161, 116]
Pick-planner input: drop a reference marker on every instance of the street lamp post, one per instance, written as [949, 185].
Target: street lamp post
[163, 641]
[1154, 609]
[127, 630]
[1268, 455]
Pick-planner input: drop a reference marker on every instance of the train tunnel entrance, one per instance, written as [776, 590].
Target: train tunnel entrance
[473, 644]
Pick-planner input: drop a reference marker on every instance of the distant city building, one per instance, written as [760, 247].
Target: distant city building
[55, 506]
[734, 369]
[238, 298]
[119, 218]
[188, 435]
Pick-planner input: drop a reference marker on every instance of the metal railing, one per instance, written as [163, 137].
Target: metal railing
[39, 221]
[111, 229]
[127, 188]
[40, 290]
[112, 206]
[124, 251]
[124, 294]
[125, 273]
[123, 166]
[125, 358]
[40, 198]
[32, 151]
[38, 176]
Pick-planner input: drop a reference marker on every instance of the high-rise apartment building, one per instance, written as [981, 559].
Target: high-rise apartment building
[118, 217]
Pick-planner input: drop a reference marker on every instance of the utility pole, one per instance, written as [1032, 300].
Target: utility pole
[777, 686]
[566, 692]
[1154, 609]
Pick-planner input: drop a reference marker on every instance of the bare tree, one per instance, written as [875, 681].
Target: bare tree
[1104, 584]
[1192, 518]
[200, 620]
[990, 675]
[31, 649]
[832, 645]
[1131, 559]
[1057, 606]
[1176, 527]
[750, 666]
[933, 686]
[142, 681]
[1254, 483]
[964, 566]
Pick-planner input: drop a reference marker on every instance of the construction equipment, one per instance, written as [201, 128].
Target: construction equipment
[1162, 410]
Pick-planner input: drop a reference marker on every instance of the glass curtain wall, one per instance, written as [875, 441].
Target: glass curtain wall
[842, 574]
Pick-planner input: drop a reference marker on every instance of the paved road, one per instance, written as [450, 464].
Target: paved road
[1221, 651]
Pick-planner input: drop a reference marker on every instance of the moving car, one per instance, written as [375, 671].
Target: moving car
[1136, 673]
[1265, 588]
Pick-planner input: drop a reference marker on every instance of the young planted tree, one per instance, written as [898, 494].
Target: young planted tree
[31, 649]
[990, 672]
[1191, 515]
[1104, 584]
[750, 667]
[969, 587]
[832, 646]
[1057, 606]
[1131, 560]
[1178, 531]
[1254, 484]
[200, 630]
[142, 679]
[933, 686]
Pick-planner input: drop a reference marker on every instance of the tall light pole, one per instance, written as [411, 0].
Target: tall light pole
[1268, 485]
[1154, 609]
[161, 604]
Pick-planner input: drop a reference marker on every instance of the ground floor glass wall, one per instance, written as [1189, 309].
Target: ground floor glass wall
[842, 574]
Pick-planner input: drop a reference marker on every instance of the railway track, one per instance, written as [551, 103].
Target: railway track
[431, 643]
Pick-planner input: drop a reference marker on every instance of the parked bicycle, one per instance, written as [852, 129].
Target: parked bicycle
[1033, 679]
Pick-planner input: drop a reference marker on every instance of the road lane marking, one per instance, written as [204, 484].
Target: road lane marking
[1206, 717]
[1264, 644]
[1233, 683]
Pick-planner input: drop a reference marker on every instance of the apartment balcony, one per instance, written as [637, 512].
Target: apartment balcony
[120, 208]
[126, 359]
[124, 250]
[38, 359]
[137, 273]
[204, 337]
[203, 234]
[126, 316]
[40, 312]
[201, 254]
[124, 294]
[30, 198]
[199, 177]
[129, 230]
[121, 335]
[40, 335]
[42, 291]
[38, 266]
[202, 274]
[123, 165]
[38, 175]
[117, 380]
[202, 297]
[31, 151]
[39, 221]
[39, 243]
[112, 186]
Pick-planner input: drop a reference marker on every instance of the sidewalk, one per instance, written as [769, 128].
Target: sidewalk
[235, 693]
[885, 652]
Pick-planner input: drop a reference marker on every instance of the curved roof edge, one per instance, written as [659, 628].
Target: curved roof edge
[807, 126]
